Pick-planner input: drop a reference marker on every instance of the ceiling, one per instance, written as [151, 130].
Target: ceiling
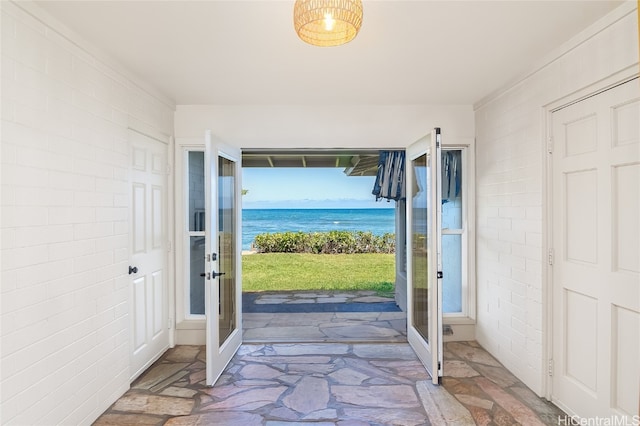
[407, 53]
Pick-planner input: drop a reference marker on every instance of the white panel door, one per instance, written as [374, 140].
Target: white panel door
[596, 273]
[424, 248]
[148, 272]
[223, 241]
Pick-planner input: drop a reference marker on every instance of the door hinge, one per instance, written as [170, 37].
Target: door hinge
[550, 145]
[550, 368]
[169, 246]
[170, 323]
[551, 256]
[168, 169]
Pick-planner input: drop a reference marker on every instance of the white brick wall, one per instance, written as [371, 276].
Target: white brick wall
[65, 248]
[510, 174]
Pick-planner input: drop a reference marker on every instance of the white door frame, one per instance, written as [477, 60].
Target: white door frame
[547, 222]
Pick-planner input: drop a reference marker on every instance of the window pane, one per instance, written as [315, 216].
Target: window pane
[452, 273]
[196, 282]
[196, 191]
[452, 189]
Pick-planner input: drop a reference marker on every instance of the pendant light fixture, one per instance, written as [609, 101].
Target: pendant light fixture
[327, 22]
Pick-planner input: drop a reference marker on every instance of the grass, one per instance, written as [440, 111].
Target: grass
[302, 271]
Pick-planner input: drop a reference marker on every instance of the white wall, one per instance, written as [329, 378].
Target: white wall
[330, 126]
[65, 210]
[510, 185]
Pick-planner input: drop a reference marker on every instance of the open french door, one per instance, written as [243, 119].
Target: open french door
[223, 273]
[424, 252]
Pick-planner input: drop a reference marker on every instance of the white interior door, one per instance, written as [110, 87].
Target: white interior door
[596, 273]
[148, 286]
[223, 273]
[424, 260]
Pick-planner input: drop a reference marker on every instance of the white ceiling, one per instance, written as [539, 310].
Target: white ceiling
[407, 52]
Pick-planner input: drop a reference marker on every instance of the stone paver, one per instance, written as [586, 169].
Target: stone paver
[390, 396]
[386, 416]
[154, 404]
[310, 394]
[459, 369]
[348, 376]
[442, 407]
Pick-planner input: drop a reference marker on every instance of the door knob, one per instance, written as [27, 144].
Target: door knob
[133, 270]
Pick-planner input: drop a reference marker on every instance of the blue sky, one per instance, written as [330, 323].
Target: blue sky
[307, 188]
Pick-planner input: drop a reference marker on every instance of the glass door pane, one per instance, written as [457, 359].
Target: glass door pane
[227, 245]
[420, 247]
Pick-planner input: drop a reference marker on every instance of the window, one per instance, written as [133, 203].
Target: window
[194, 232]
[454, 235]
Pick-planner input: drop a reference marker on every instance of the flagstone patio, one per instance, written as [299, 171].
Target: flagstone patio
[323, 384]
[325, 327]
[322, 316]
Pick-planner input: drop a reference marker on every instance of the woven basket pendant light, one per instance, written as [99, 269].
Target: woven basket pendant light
[327, 22]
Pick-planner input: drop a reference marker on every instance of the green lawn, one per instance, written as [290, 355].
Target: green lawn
[301, 271]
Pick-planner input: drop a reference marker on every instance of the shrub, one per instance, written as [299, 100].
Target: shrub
[332, 242]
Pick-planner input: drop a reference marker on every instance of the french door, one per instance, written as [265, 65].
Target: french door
[424, 248]
[223, 276]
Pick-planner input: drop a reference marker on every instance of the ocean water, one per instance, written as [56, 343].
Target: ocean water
[259, 221]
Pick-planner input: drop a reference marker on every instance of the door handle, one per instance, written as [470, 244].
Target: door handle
[133, 270]
[212, 275]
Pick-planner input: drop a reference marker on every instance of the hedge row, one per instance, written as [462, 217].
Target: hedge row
[332, 242]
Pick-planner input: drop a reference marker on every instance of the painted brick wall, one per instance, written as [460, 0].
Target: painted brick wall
[65, 209]
[510, 174]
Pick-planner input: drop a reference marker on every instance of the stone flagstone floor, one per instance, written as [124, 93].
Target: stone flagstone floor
[304, 297]
[325, 327]
[321, 384]
[367, 323]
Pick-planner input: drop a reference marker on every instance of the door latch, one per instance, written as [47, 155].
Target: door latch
[439, 275]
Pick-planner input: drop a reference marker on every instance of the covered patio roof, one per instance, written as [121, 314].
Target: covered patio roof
[355, 163]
